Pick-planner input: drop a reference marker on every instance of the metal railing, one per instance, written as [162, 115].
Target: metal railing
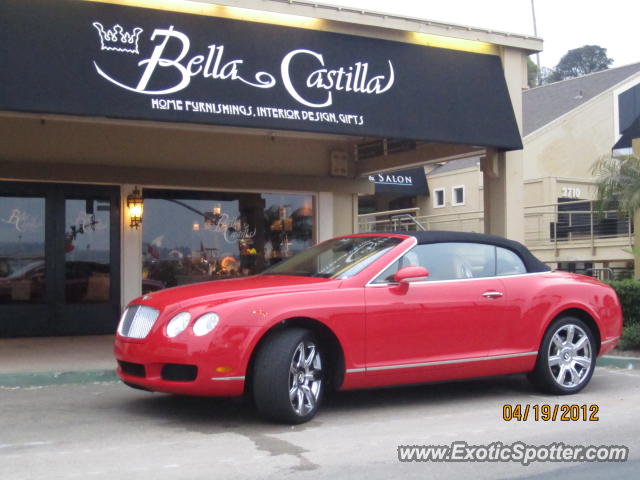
[575, 223]
[387, 221]
[603, 274]
[408, 220]
[561, 225]
[570, 228]
[405, 217]
[472, 221]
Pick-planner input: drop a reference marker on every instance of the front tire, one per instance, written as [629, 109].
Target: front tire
[567, 357]
[288, 376]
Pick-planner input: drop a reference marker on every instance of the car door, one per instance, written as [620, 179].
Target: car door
[514, 332]
[442, 321]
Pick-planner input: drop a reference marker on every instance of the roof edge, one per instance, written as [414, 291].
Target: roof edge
[390, 21]
[582, 105]
[583, 76]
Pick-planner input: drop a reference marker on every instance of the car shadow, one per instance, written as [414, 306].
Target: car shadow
[218, 415]
[435, 394]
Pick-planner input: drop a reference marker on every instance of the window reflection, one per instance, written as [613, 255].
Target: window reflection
[508, 263]
[22, 268]
[87, 250]
[192, 237]
[337, 258]
[447, 261]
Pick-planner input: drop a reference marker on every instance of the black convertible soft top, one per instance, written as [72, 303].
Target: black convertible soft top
[530, 262]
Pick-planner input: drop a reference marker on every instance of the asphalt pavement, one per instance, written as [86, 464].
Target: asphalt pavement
[109, 431]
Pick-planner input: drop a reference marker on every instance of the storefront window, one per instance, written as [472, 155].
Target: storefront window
[190, 237]
[22, 267]
[87, 249]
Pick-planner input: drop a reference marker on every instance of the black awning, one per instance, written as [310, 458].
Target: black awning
[633, 131]
[106, 60]
[403, 183]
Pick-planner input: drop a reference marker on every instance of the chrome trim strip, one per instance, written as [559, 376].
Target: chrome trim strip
[447, 362]
[414, 242]
[355, 370]
[227, 378]
[613, 339]
[431, 282]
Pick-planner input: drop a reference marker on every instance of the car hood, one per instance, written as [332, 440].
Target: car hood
[220, 291]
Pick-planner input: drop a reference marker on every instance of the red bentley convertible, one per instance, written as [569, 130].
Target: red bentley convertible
[370, 310]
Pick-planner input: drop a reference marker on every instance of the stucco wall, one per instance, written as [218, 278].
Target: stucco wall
[167, 146]
[467, 217]
[167, 155]
[470, 178]
[547, 190]
[569, 146]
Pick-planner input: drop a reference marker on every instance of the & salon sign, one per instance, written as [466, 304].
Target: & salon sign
[401, 183]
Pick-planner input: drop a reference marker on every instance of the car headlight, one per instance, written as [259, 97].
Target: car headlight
[205, 324]
[178, 323]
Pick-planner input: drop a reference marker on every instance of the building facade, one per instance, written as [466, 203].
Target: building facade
[146, 145]
[568, 127]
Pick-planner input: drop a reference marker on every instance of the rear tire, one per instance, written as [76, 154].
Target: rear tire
[567, 357]
[288, 378]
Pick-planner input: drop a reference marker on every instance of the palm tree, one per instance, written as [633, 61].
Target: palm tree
[618, 178]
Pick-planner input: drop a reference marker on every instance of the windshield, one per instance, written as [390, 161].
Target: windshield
[338, 258]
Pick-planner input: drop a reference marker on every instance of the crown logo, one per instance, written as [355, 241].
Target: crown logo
[117, 39]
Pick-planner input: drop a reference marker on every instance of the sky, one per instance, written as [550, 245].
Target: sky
[563, 24]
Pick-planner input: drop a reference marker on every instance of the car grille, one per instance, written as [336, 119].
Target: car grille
[137, 320]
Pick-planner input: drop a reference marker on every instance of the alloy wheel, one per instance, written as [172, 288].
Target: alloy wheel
[570, 356]
[305, 378]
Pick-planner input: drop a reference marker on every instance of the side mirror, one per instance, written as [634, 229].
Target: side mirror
[406, 274]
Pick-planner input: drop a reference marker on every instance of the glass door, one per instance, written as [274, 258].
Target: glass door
[24, 272]
[59, 259]
[87, 293]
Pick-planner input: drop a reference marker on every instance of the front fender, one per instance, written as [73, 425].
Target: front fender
[341, 311]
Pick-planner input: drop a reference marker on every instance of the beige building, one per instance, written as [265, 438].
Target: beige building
[567, 127]
[155, 144]
[456, 198]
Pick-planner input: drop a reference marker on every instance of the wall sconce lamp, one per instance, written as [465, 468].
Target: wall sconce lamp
[212, 219]
[135, 205]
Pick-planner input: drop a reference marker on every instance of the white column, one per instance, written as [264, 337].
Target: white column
[324, 216]
[503, 172]
[131, 253]
[354, 210]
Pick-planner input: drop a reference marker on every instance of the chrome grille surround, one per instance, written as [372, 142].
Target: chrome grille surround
[137, 321]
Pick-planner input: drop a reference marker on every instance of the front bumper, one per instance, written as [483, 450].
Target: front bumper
[188, 366]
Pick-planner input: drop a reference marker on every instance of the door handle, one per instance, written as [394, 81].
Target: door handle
[492, 294]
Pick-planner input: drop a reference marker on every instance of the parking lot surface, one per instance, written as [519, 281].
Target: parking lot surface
[107, 430]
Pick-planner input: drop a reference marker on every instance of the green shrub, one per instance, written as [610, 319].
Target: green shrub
[629, 294]
[630, 337]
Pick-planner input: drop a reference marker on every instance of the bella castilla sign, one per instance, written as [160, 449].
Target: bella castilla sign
[104, 60]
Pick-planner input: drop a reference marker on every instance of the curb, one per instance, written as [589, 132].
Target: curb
[41, 379]
[629, 363]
